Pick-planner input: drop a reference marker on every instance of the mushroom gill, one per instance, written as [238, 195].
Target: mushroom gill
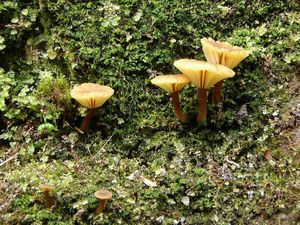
[91, 96]
[204, 75]
[173, 84]
[223, 53]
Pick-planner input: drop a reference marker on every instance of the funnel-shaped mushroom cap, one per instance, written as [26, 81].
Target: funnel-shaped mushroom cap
[103, 194]
[203, 74]
[223, 53]
[171, 83]
[91, 95]
[46, 187]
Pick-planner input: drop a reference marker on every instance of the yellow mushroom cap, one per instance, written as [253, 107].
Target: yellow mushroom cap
[203, 74]
[46, 187]
[223, 53]
[91, 95]
[171, 83]
[103, 194]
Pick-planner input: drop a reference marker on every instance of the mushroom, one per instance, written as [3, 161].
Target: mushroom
[223, 53]
[48, 200]
[103, 195]
[204, 75]
[91, 96]
[173, 84]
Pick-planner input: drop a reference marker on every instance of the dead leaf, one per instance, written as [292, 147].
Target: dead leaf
[268, 155]
[148, 182]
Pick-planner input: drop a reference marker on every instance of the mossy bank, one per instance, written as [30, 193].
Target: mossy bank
[218, 172]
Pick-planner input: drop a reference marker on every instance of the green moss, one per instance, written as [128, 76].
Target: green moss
[219, 166]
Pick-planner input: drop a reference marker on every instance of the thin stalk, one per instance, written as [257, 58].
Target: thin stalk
[87, 119]
[101, 206]
[47, 199]
[202, 94]
[217, 92]
[176, 105]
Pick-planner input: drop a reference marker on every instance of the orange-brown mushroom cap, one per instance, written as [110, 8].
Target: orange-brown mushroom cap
[203, 74]
[46, 187]
[91, 95]
[171, 83]
[223, 53]
[103, 194]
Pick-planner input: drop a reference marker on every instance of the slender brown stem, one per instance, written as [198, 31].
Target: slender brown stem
[202, 105]
[87, 119]
[176, 105]
[217, 92]
[47, 199]
[101, 206]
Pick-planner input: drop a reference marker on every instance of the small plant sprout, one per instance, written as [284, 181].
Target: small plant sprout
[173, 84]
[103, 195]
[204, 75]
[91, 96]
[48, 200]
[223, 53]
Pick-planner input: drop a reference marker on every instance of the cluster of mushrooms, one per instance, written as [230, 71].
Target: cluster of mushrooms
[102, 195]
[221, 58]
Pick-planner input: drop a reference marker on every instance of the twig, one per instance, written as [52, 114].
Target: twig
[79, 130]
[14, 25]
[232, 162]
[9, 159]
[66, 122]
[103, 145]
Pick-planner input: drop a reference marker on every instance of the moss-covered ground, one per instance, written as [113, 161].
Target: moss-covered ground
[239, 167]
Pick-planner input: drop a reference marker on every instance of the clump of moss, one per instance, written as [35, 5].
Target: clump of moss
[55, 89]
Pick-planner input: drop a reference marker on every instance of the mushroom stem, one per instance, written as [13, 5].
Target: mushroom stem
[101, 206]
[176, 105]
[87, 119]
[47, 199]
[217, 92]
[202, 93]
